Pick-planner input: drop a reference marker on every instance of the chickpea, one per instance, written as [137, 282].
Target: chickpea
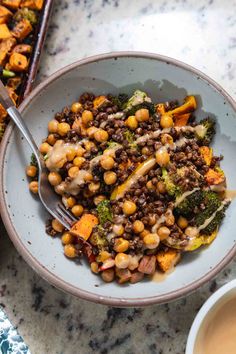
[44, 148]
[53, 126]
[71, 201]
[94, 267]
[31, 171]
[133, 262]
[103, 256]
[129, 207]
[54, 178]
[87, 116]
[33, 187]
[191, 231]
[94, 187]
[89, 145]
[163, 232]
[170, 219]
[161, 187]
[76, 107]
[63, 128]
[70, 154]
[166, 139]
[142, 115]
[182, 222]
[166, 121]
[51, 139]
[98, 199]
[80, 151]
[101, 135]
[88, 177]
[70, 251]
[57, 226]
[67, 238]
[118, 229]
[73, 172]
[91, 131]
[121, 245]
[131, 122]
[110, 177]
[144, 233]
[145, 151]
[151, 241]
[122, 260]
[152, 219]
[78, 161]
[162, 157]
[108, 275]
[138, 226]
[150, 186]
[59, 189]
[77, 210]
[107, 162]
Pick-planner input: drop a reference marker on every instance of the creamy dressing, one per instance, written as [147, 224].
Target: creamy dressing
[159, 222]
[118, 115]
[185, 195]
[217, 334]
[209, 220]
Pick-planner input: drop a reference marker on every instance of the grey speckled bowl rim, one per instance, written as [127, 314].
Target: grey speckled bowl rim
[35, 264]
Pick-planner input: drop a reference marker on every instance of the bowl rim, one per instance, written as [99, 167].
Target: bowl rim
[204, 312]
[34, 263]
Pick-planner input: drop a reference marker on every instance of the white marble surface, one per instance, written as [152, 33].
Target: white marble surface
[200, 33]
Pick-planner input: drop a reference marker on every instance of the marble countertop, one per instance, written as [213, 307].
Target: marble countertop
[200, 33]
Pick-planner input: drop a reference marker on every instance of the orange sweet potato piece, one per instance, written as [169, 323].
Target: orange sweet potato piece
[22, 29]
[6, 45]
[99, 101]
[18, 62]
[214, 177]
[182, 120]
[5, 14]
[12, 94]
[84, 226]
[189, 105]
[32, 4]
[13, 4]
[206, 154]
[166, 260]
[22, 49]
[4, 31]
[160, 108]
[3, 57]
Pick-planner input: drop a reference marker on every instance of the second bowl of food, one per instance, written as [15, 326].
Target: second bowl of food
[140, 149]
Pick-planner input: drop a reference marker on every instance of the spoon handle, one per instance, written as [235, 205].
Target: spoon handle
[16, 116]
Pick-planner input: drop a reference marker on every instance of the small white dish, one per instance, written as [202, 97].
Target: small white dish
[218, 299]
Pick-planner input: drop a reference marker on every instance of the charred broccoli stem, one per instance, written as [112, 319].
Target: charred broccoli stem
[104, 211]
[206, 133]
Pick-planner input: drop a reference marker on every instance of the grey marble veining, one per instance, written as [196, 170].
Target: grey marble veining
[200, 33]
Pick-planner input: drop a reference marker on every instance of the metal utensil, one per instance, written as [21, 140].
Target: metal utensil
[48, 197]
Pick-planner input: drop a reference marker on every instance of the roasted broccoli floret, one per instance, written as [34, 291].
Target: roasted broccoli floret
[139, 100]
[104, 211]
[186, 207]
[171, 188]
[215, 223]
[33, 160]
[26, 14]
[120, 101]
[205, 131]
[98, 238]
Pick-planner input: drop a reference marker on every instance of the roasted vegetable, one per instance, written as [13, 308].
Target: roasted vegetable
[104, 211]
[32, 4]
[98, 239]
[181, 120]
[26, 14]
[99, 101]
[167, 259]
[7, 73]
[205, 131]
[3, 57]
[171, 188]
[4, 32]
[189, 105]
[207, 154]
[5, 14]
[13, 4]
[7, 45]
[84, 227]
[22, 49]
[186, 207]
[120, 101]
[22, 29]
[215, 177]
[18, 62]
[139, 100]
[33, 160]
[3, 113]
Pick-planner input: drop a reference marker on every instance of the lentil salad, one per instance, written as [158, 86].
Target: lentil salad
[140, 177]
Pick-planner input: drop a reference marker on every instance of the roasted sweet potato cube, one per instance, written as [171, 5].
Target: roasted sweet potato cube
[181, 120]
[6, 45]
[22, 49]
[166, 260]
[32, 4]
[214, 177]
[14, 82]
[4, 31]
[13, 4]
[84, 227]
[3, 57]
[5, 14]
[207, 154]
[18, 62]
[22, 29]
[3, 113]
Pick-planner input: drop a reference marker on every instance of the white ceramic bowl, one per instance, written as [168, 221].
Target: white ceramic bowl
[226, 292]
[24, 217]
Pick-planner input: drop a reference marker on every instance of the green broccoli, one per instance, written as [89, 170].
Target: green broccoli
[98, 238]
[139, 100]
[186, 207]
[120, 101]
[171, 188]
[130, 137]
[33, 160]
[215, 223]
[205, 131]
[26, 14]
[104, 211]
